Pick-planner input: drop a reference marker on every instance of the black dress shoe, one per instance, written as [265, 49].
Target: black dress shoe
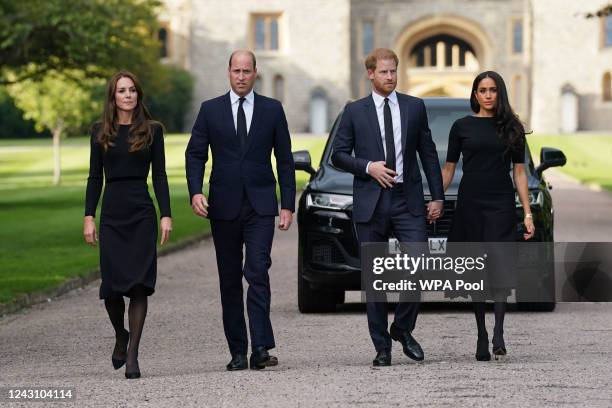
[411, 347]
[260, 358]
[238, 362]
[482, 349]
[121, 344]
[382, 359]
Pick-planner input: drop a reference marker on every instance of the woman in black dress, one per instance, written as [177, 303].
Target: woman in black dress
[492, 142]
[124, 145]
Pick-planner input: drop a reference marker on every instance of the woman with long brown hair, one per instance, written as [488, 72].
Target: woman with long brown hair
[492, 141]
[125, 144]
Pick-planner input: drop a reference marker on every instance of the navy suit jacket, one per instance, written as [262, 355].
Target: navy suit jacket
[359, 131]
[235, 171]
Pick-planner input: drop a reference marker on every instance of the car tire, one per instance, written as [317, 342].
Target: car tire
[316, 301]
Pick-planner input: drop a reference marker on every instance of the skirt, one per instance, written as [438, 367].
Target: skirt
[486, 215]
[128, 237]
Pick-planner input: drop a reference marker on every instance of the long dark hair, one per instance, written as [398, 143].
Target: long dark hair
[509, 128]
[141, 133]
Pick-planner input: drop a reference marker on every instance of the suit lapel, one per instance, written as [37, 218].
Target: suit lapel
[404, 119]
[255, 120]
[370, 109]
[228, 119]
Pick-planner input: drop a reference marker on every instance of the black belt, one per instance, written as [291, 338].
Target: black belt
[115, 179]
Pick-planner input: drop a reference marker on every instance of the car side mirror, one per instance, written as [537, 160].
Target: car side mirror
[302, 161]
[550, 157]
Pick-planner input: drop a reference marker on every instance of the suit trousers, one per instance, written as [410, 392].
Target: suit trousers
[254, 232]
[391, 217]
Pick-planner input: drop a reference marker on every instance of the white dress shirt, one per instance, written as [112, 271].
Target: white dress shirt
[379, 103]
[247, 106]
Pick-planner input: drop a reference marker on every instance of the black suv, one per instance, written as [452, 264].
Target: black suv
[328, 250]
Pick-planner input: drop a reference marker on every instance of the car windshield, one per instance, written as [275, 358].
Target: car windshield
[441, 118]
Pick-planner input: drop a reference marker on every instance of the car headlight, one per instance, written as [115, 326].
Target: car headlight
[329, 201]
[535, 198]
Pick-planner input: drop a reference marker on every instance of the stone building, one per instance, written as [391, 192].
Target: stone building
[557, 64]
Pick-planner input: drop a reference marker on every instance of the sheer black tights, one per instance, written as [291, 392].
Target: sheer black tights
[137, 312]
[499, 309]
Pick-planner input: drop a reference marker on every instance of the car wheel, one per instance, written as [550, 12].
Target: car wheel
[316, 301]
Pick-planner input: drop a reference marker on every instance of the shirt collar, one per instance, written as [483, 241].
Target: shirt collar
[250, 97]
[379, 100]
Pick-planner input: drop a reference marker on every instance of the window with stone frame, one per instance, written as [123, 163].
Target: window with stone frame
[163, 36]
[607, 87]
[443, 50]
[517, 36]
[279, 87]
[367, 37]
[265, 31]
[607, 31]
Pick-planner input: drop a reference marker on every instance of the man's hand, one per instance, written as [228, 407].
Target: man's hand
[284, 222]
[380, 173]
[199, 205]
[434, 210]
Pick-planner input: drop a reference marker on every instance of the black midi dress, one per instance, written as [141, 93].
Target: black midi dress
[128, 221]
[486, 209]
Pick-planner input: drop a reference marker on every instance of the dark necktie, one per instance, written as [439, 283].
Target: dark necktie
[241, 127]
[389, 140]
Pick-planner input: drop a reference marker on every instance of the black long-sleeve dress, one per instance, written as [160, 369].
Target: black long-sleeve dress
[486, 209]
[128, 221]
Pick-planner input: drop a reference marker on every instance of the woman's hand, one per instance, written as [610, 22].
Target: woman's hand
[165, 226]
[89, 230]
[529, 227]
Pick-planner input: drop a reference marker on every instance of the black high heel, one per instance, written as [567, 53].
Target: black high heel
[482, 349]
[118, 363]
[500, 353]
[132, 374]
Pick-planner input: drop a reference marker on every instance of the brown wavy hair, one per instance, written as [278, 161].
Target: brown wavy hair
[141, 132]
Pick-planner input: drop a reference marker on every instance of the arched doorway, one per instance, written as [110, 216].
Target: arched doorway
[441, 55]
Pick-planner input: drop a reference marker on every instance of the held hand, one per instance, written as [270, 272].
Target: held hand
[529, 227]
[380, 173]
[89, 230]
[165, 227]
[434, 210]
[284, 222]
[199, 205]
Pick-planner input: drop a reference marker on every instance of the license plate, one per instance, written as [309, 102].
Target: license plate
[437, 245]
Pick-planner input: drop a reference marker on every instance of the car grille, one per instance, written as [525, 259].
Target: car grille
[442, 226]
[325, 250]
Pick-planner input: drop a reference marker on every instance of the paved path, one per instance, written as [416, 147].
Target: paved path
[562, 358]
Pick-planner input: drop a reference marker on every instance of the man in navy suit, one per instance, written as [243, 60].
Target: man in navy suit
[385, 130]
[242, 129]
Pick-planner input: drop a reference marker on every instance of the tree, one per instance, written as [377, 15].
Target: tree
[59, 103]
[94, 36]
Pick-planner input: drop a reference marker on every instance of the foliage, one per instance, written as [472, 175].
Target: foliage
[12, 123]
[93, 36]
[169, 100]
[58, 101]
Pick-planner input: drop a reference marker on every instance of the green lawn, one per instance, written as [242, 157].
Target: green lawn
[588, 156]
[41, 243]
